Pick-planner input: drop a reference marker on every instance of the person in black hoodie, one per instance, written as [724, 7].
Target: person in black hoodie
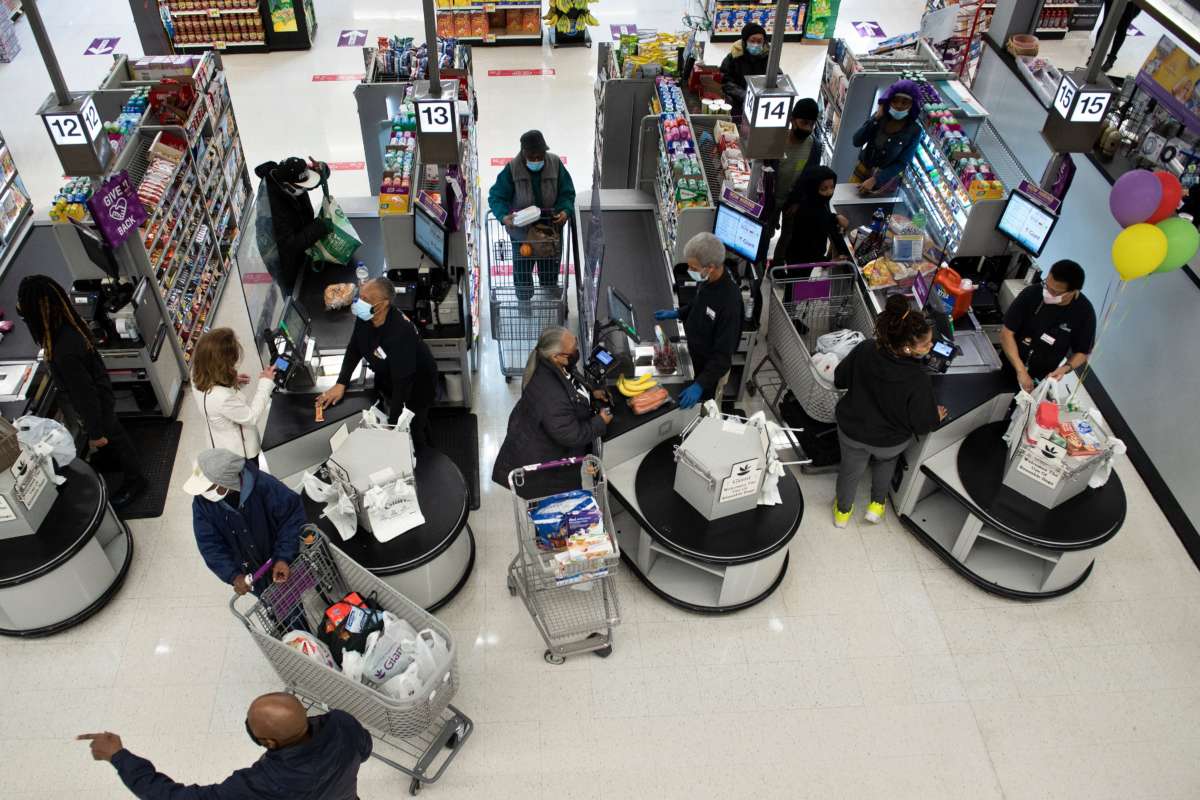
[809, 224]
[294, 225]
[315, 757]
[78, 370]
[748, 56]
[889, 399]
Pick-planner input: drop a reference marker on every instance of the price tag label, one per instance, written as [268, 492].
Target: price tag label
[489, 38]
[1065, 96]
[219, 45]
[214, 12]
[489, 7]
[771, 112]
[66, 128]
[435, 116]
[1091, 106]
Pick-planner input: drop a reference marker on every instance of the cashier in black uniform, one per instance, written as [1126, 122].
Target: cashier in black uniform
[712, 322]
[405, 370]
[1048, 323]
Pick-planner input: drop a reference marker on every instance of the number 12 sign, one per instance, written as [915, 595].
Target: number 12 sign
[772, 112]
[435, 116]
[78, 128]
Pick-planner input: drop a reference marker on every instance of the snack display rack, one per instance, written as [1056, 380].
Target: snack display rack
[1056, 17]
[15, 207]
[961, 51]
[728, 17]
[238, 26]
[511, 22]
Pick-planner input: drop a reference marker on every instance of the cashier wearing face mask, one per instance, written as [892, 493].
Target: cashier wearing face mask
[554, 418]
[1049, 323]
[242, 518]
[748, 56]
[405, 370]
[712, 322]
[888, 139]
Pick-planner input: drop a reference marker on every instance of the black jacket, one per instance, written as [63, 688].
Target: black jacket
[813, 224]
[293, 222]
[323, 768]
[890, 399]
[734, 69]
[713, 325]
[407, 374]
[80, 373]
[552, 420]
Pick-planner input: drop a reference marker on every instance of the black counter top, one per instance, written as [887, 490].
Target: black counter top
[442, 496]
[293, 414]
[69, 525]
[634, 266]
[624, 420]
[738, 539]
[964, 392]
[1087, 520]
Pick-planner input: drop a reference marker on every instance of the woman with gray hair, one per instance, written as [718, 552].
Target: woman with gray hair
[554, 417]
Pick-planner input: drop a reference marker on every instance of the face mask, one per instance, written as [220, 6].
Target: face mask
[696, 276]
[572, 359]
[754, 49]
[801, 134]
[1051, 299]
[362, 309]
[535, 166]
[898, 114]
[213, 495]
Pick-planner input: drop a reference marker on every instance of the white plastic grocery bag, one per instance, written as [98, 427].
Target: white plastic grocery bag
[33, 431]
[405, 685]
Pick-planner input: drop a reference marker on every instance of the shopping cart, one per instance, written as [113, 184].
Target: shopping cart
[425, 731]
[570, 603]
[805, 302]
[527, 286]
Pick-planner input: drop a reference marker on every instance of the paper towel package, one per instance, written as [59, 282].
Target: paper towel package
[720, 466]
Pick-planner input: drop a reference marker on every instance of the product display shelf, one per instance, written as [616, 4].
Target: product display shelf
[1054, 19]
[15, 207]
[931, 180]
[728, 17]
[198, 25]
[960, 52]
[504, 23]
[13, 8]
[677, 224]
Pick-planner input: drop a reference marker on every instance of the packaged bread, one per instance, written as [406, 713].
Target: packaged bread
[339, 295]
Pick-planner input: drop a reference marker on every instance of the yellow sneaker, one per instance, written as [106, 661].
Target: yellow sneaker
[841, 518]
[875, 513]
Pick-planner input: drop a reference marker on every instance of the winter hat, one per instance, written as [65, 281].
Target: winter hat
[805, 108]
[215, 466]
[533, 142]
[750, 29]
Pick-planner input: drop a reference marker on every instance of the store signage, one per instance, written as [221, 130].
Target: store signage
[1167, 70]
[618, 31]
[1091, 106]
[1040, 196]
[1042, 463]
[29, 479]
[771, 112]
[435, 116]
[341, 76]
[102, 46]
[251, 278]
[741, 202]
[869, 29]
[428, 202]
[744, 480]
[518, 73]
[347, 166]
[1065, 96]
[78, 128]
[352, 37]
[116, 209]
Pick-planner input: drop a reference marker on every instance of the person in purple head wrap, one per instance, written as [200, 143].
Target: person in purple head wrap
[888, 139]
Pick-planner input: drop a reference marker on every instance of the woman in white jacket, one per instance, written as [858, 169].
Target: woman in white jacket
[231, 421]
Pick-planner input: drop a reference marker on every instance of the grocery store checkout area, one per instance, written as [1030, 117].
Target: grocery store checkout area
[428, 563]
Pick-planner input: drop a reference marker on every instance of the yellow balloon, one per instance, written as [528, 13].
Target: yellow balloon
[1139, 250]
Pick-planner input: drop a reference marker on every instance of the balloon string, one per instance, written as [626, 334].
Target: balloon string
[1106, 315]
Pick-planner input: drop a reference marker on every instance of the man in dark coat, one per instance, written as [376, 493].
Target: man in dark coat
[554, 417]
[748, 56]
[242, 518]
[294, 225]
[315, 757]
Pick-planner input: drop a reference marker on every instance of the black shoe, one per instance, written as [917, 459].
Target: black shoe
[1108, 64]
[131, 489]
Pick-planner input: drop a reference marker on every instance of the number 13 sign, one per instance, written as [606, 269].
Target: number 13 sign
[435, 116]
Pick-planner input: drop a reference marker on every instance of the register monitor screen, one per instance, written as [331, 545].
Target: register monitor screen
[621, 311]
[1026, 223]
[429, 237]
[294, 323]
[740, 233]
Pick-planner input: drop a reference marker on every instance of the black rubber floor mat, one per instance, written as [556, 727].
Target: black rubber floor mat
[157, 442]
[456, 433]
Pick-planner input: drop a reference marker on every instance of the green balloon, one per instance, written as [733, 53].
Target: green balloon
[1183, 240]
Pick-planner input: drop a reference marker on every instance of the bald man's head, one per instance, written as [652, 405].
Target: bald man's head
[378, 290]
[276, 720]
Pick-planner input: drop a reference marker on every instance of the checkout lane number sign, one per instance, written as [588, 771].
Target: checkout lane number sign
[74, 128]
[435, 116]
[771, 112]
[1065, 96]
[1091, 106]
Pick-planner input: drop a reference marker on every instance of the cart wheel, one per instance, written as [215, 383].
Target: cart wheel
[508, 378]
[414, 788]
[512, 590]
[452, 742]
[751, 388]
[553, 659]
[604, 652]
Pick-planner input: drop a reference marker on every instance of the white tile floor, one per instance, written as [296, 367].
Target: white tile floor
[872, 672]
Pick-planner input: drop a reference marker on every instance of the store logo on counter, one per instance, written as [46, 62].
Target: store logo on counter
[117, 209]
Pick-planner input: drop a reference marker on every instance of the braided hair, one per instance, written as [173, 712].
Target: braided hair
[900, 325]
[46, 307]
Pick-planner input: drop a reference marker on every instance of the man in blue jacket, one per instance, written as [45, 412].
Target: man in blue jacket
[315, 757]
[242, 518]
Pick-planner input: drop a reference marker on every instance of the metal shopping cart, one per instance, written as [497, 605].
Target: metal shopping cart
[805, 302]
[572, 602]
[528, 280]
[425, 730]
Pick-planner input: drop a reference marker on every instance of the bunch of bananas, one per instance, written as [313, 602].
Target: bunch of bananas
[568, 16]
[632, 388]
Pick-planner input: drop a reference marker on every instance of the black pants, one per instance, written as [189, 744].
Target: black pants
[419, 427]
[1131, 11]
[120, 447]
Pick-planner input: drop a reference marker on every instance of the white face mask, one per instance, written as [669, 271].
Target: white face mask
[1051, 299]
[698, 277]
[214, 495]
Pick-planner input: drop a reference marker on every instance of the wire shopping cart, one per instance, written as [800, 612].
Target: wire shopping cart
[570, 602]
[425, 730]
[528, 278]
[805, 302]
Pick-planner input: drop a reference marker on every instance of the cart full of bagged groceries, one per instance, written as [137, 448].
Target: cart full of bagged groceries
[567, 555]
[338, 637]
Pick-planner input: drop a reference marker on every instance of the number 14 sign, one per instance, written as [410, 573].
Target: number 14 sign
[772, 111]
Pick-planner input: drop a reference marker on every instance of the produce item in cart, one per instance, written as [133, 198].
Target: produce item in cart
[632, 388]
[307, 644]
[646, 402]
[339, 295]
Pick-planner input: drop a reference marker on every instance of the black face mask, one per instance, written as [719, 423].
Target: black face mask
[572, 359]
[800, 134]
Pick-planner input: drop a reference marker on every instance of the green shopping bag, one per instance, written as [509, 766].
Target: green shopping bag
[337, 246]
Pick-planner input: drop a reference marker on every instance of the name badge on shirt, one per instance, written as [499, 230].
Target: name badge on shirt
[1048, 339]
[711, 314]
[382, 355]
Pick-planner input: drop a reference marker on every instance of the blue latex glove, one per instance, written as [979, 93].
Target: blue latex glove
[690, 396]
[666, 313]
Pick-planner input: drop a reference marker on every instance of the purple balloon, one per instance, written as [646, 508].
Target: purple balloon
[1135, 197]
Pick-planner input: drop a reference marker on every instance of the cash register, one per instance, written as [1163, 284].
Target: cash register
[290, 346]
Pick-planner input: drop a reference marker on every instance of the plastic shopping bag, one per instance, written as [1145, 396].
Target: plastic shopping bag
[839, 343]
[391, 655]
[34, 431]
[430, 653]
[339, 244]
[307, 644]
[375, 419]
[405, 685]
[318, 489]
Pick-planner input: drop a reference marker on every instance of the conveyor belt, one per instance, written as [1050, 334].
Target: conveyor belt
[634, 265]
[332, 329]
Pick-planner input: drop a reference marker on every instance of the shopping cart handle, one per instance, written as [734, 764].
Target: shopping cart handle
[562, 462]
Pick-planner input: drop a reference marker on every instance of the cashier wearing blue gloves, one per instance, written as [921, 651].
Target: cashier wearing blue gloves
[712, 322]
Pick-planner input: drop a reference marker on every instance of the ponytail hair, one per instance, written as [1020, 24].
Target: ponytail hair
[900, 325]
